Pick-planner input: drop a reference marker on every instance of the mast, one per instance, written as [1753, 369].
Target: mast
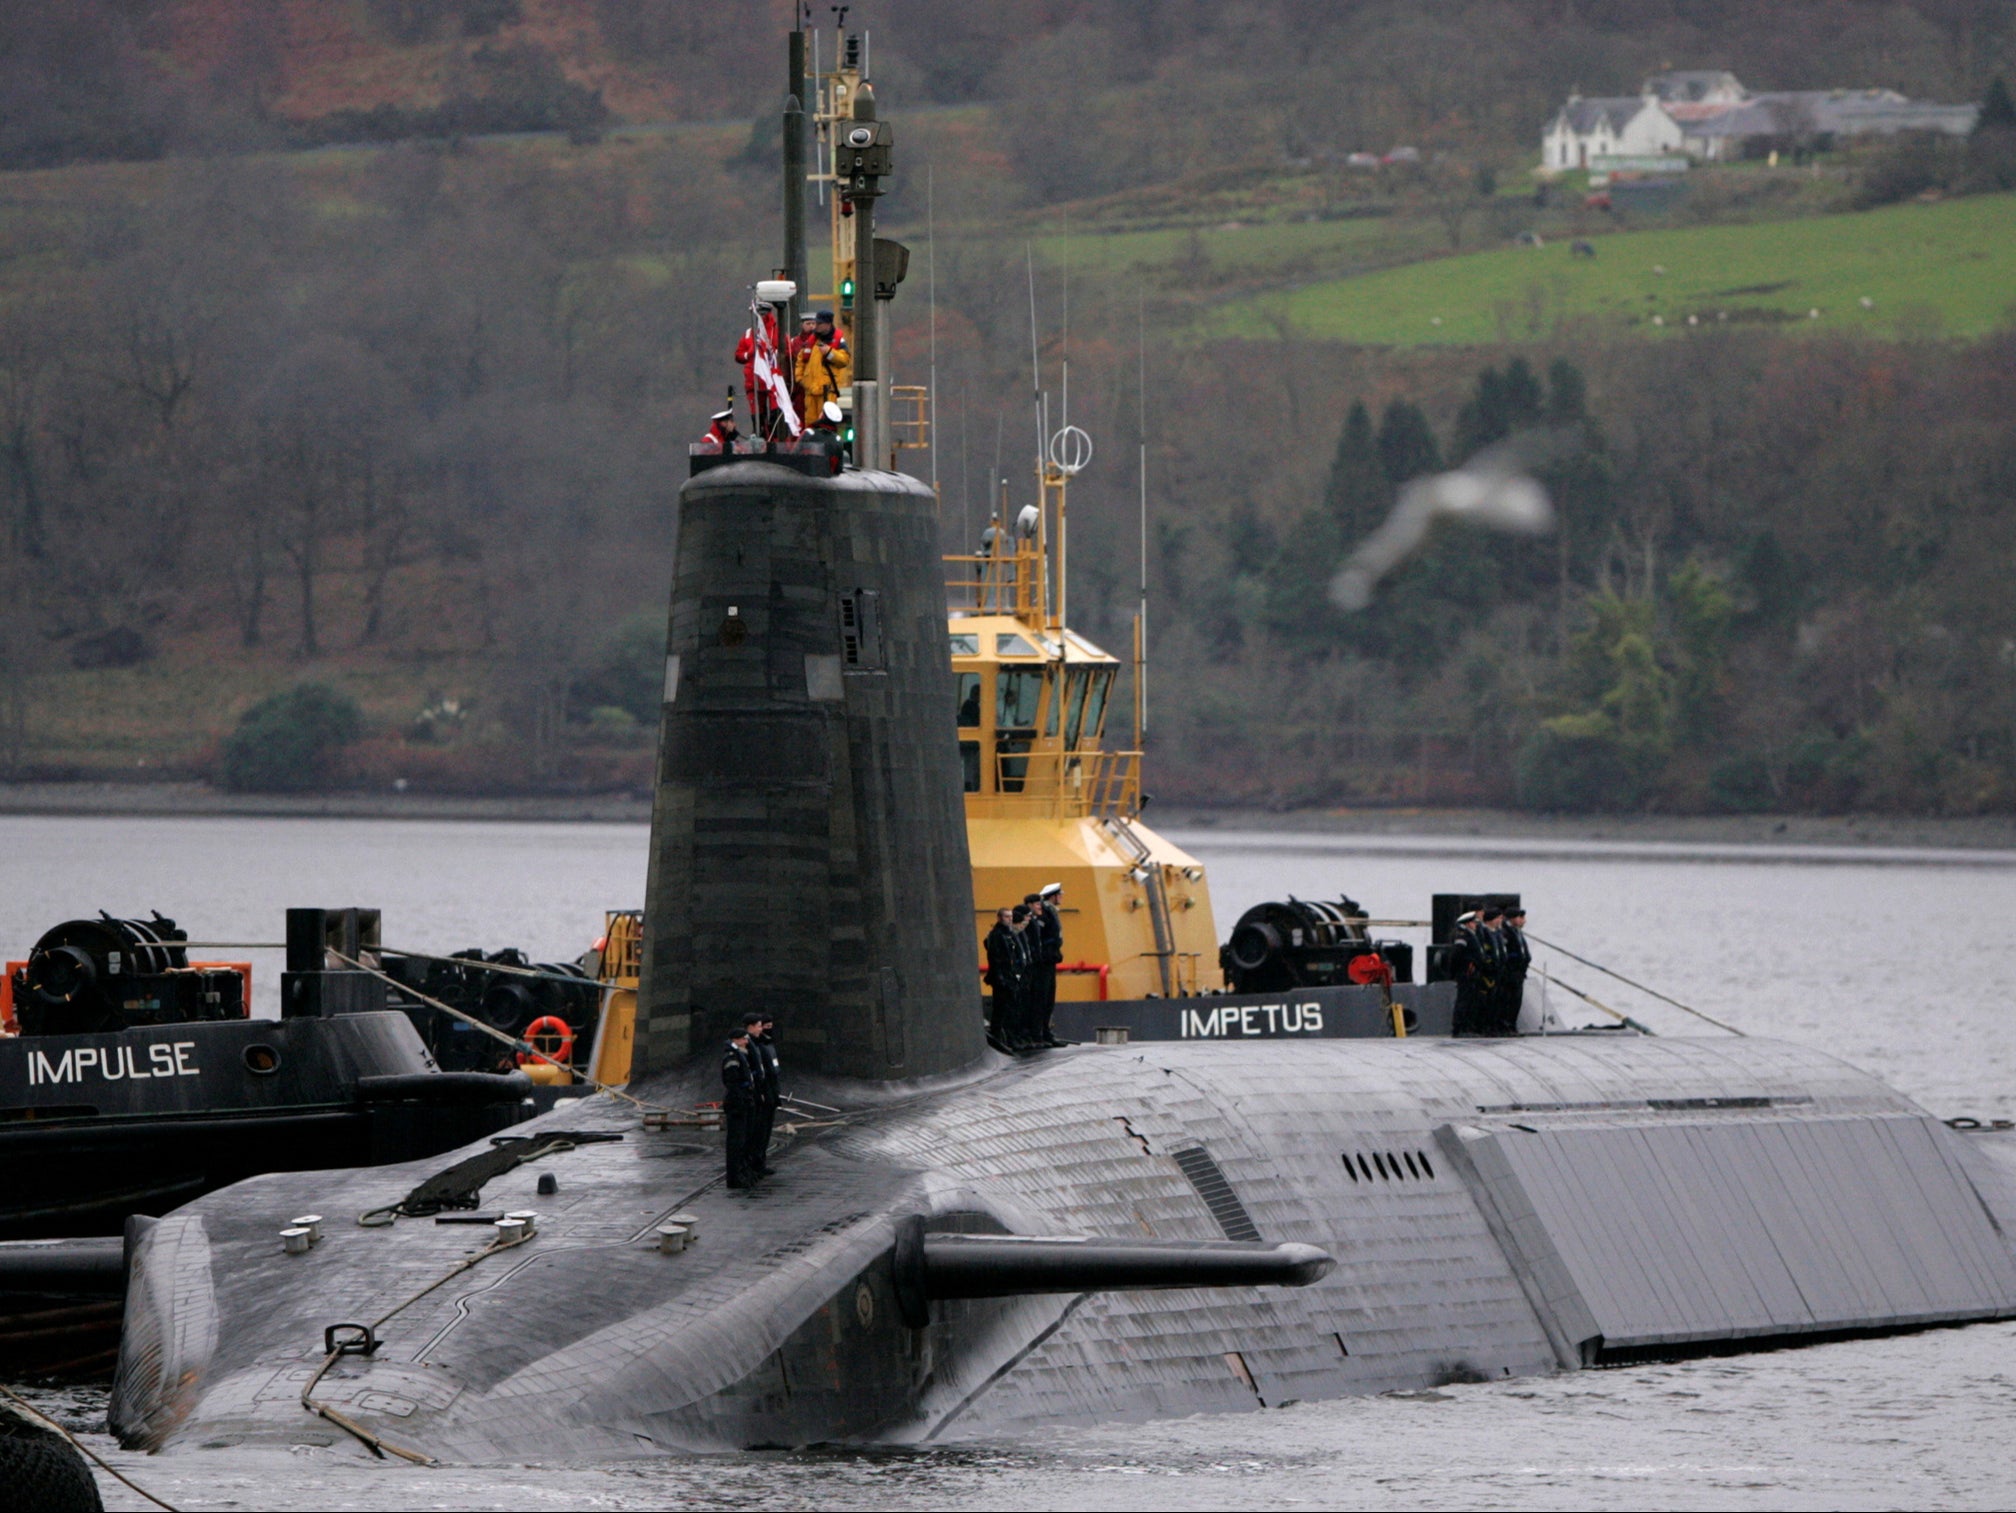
[868, 448]
[1141, 614]
[794, 179]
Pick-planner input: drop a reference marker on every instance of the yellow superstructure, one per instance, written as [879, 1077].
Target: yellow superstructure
[1047, 799]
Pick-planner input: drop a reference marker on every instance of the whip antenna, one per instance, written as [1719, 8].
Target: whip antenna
[1035, 361]
[1141, 615]
[931, 268]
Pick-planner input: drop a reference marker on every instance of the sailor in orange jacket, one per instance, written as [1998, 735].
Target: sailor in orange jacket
[825, 366]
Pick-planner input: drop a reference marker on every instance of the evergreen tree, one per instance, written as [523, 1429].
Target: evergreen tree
[1484, 417]
[1357, 493]
[1297, 610]
[1501, 404]
[1407, 447]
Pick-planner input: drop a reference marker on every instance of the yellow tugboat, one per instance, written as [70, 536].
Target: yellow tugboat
[1047, 800]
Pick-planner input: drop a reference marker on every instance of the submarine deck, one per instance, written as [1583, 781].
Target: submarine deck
[1496, 1208]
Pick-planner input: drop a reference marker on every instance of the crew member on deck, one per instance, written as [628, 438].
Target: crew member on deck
[823, 367]
[1472, 956]
[755, 342]
[762, 1041]
[739, 1083]
[992, 540]
[1515, 959]
[721, 432]
[1047, 931]
[1029, 949]
[824, 433]
[807, 336]
[1004, 976]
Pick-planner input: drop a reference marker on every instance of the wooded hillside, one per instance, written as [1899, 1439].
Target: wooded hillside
[409, 418]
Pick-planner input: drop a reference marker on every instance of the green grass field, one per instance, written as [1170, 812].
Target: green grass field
[1946, 269]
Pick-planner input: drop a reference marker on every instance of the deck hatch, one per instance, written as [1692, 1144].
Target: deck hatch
[1637, 1235]
[1216, 1190]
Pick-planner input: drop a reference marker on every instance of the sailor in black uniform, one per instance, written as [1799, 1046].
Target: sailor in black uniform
[740, 1077]
[1515, 958]
[1005, 977]
[1473, 957]
[763, 1043]
[1046, 927]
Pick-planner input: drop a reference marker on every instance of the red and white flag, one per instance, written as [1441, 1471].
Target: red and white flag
[771, 381]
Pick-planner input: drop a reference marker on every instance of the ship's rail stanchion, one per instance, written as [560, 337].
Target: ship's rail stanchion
[1101, 969]
[1004, 583]
[1070, 784]
[622, 946]
[910, 417]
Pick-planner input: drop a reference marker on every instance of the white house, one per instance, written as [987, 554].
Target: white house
[1709, 115]
[1624, 126]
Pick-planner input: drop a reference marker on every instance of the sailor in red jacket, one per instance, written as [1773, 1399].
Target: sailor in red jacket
[762, 404]
[721, 432]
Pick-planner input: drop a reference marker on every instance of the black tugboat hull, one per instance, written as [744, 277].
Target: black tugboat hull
[96, 1127]
[1327, 1013]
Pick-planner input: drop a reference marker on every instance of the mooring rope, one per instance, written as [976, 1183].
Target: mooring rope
[1643, 1029]
[83, 1449]
[1608, 972]
[521, 1046]
[376, 1443]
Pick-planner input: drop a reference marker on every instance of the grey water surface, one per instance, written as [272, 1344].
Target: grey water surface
[1897, 961]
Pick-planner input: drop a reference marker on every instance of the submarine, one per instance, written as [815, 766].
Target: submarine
[956, 1242]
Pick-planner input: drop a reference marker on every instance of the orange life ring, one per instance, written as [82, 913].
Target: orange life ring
[550, 1024]
[1368, 969]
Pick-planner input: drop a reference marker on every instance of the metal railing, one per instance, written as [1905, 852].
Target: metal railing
[1069, 783]
[1008, 584]
[623, 945]
[910, 416]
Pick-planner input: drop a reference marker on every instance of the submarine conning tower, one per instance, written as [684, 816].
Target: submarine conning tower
[808, 844]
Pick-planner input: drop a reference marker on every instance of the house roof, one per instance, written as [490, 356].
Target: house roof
[1583, 116]
[1686, 85]
[1684, 111]
[1843, 111]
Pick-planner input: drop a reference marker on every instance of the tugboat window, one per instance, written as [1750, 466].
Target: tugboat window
[1018, 692]
[966, 645]
[1081, 678]
[969, 763]
[969, 701]
[1008, 644]
[1095, 708]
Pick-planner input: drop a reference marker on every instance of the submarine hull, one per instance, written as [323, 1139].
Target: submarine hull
[1495, 1209]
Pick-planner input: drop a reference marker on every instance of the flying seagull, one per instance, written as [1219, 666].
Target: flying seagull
[1492, 489]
